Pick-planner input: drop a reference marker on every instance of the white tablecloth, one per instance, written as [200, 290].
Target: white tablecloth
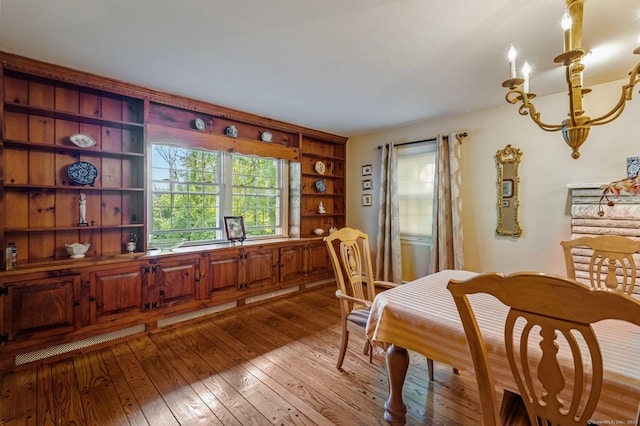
[421, 316]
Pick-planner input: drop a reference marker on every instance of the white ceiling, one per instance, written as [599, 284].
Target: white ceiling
[341, 66]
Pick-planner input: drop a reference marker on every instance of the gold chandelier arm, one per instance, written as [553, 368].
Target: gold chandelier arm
[626, 95]
[527, 108]
[575, 129]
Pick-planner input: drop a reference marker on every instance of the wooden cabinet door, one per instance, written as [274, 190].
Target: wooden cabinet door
[117, 292]
[175, 281]
[41, 307]
[292, 263]
[222, 276]
[318, 261]
[258, 267]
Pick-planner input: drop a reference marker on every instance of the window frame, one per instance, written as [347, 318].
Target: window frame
[225, 193]
[410, 150]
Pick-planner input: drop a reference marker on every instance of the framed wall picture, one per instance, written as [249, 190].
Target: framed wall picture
[367, 200]
[507, 188]
[234, 225]
[633, 166]
[367, 170]
[366, 184]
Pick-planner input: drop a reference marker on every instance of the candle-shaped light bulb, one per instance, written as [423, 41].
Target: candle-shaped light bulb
[526, 69]
[566, 24]
[512, 61]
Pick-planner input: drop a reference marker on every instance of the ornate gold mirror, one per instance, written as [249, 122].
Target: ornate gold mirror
[508, 160]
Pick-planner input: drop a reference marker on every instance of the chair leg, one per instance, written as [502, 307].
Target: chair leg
[430, 368]
[368, 349]
[343, 347]
[512, 410]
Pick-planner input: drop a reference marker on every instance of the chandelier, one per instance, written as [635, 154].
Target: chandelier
[575, 129]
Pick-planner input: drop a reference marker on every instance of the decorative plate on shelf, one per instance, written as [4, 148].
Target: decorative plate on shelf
[320, 168]
[266, 136]
[320, 185]
[83, 173]
[199, 124]
[82, 140]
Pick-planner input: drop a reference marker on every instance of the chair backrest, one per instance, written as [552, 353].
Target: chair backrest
[611, 264]
[351, 260]
[551, 315]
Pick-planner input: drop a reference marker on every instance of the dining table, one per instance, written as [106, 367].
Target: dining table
[421, 316]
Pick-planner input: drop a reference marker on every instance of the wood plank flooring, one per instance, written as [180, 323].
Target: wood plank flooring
[272, 363]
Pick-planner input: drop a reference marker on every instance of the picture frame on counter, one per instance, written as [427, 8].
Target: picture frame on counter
[234, 225]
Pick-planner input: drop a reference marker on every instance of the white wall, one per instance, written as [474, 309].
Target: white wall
[546, 169]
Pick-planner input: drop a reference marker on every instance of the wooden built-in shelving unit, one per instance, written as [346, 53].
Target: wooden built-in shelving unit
[332, 155]
[51, 300]
[40, 199]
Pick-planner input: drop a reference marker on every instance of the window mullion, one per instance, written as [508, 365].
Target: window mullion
[226, 188]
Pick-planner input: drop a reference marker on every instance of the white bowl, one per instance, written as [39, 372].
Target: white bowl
[318, 231]
[77, 250]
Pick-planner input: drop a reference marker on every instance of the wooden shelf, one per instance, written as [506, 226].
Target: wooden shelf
[70, 187]
[69, 116]
[317, 176]
[321, 214]
[322, 157]
[68, 149]
[74, 228]
[321, 194]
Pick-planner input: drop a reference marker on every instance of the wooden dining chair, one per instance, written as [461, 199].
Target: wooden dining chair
[542, 308]
[610, 261]
[351, 261]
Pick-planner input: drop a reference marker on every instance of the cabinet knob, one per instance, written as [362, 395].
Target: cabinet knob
[92, 298]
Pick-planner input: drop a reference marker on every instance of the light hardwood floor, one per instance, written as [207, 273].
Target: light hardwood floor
[272, 363]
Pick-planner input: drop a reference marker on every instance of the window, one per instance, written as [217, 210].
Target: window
[416, 167]
[257, 193]
[193, 189]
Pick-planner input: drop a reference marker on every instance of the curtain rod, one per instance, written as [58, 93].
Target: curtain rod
[462, 135]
